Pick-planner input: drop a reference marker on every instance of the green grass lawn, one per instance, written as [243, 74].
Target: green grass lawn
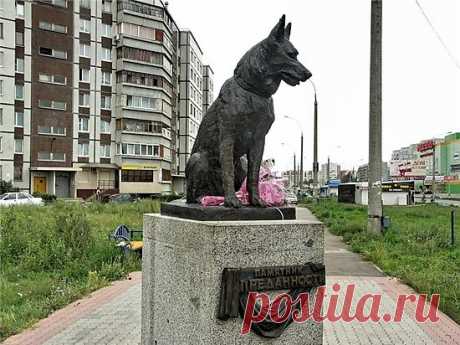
[52, 255]
[415, 249]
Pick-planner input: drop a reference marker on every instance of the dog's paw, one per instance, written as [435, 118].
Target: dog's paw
[232, 201]
[256, 201]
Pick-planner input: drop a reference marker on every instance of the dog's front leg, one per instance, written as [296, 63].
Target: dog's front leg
[254, 159]
[228, 174]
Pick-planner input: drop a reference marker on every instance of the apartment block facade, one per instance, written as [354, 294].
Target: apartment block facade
[208, 87]
[191, 96]
[90, 96]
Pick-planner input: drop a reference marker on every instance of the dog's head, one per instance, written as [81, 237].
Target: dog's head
[282, 58]
[274, 59]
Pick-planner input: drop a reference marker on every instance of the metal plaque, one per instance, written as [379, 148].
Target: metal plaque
[237, 283]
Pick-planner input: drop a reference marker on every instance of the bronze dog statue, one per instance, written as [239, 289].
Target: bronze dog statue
[237, 122]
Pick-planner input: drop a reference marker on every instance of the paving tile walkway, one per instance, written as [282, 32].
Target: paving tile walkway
[344, 268]
[111, 316]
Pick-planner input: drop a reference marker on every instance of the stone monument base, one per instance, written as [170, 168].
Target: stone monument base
[183, 261]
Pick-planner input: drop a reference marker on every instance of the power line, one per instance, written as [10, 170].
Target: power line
[438, 35]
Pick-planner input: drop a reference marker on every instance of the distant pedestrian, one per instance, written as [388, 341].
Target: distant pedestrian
[98, 194]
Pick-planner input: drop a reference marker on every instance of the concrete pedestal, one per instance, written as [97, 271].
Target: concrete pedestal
[183, 262]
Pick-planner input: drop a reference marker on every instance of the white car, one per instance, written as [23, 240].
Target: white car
[291, 198]
[21, 198]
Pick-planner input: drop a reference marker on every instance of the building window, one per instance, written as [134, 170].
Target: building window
[1, 30]
[1, 116]
[20, 39]
[140, 150]
[1, 87]
[85, 50]
[147, 103]
[106, 30]
[137, 176]
[84, 75]
[106, 54]
[2, 59]
[59, 3]
[144, 79]
[106, 78]
[83, 99]
[83, 124]
[1, 144]
[58, 54]
[53, 27]
[52, 79]
[18, 172]
[85, 25]
[106, 102]
[105, 151]
[83, 150]
[19, 10]
[55, 105]
[140, 55]
[132, 125]
[45, 130]
[19, 92]
[18, 145]
[19, 65]
[19, 119]
[106, 6]
[105, 127]
[85, 3]
[51, 156]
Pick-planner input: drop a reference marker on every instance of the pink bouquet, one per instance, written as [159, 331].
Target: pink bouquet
[271, 191]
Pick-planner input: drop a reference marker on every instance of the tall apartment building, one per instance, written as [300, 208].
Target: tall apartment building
[208, 87]
[15, 93]
[89, 94]
[190, 100]
[329, 172]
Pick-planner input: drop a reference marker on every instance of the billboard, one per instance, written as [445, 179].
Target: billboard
[426, 145]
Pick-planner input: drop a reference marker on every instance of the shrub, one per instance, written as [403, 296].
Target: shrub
[73, 228]
[6, 187]
[170, 197]
[47, 198]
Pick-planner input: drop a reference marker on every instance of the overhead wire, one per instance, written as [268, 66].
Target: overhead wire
[438, 35]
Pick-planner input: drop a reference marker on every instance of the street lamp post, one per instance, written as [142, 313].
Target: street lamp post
[300, 179]
[294, 171]
[434, 174]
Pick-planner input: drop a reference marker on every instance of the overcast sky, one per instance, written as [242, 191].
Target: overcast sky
[421, 85]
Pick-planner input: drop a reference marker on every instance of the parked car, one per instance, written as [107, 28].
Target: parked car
[22, 198]
[121, 198]
[291, 198]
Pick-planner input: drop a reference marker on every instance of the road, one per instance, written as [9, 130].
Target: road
[443, 202]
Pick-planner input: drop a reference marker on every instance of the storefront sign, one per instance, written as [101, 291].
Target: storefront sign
[425, 146]
[140, 167]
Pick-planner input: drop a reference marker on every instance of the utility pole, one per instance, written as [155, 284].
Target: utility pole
[295, 171]
[315, 145]
[375, 209]
[301, 161]
[328, 170]
[433, 183]
[300, 178]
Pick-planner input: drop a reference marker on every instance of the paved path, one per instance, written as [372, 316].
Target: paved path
[111, 316]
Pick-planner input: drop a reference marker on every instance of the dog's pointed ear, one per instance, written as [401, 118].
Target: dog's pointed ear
[287, 31]
[277, 32]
